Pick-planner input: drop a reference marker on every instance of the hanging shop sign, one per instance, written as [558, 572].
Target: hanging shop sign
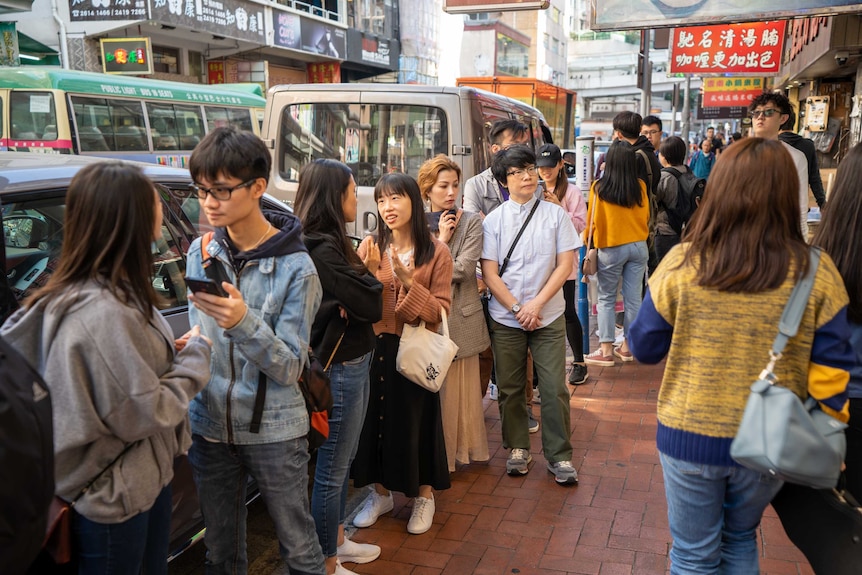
[308, 35]
[752, 49]
[236, 19]
[324, 73]
[126, 56]
[99, 10]
[215, 72]
[722, 92]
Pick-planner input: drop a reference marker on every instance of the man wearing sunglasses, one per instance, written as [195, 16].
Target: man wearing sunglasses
[768, 112]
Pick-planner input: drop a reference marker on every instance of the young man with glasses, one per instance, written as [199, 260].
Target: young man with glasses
[251, 418]
[651, 128]
[768, 112]
[527, 310]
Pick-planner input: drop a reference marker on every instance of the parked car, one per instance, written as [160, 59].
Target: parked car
[32, 196]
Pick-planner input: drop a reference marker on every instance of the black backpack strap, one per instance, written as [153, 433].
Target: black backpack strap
[518, 237]
[259, 401]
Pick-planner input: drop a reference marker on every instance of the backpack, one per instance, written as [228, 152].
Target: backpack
[690, 189]
[26, 461]
[653, 202]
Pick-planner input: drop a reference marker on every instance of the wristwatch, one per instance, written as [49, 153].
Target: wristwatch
[516, 307]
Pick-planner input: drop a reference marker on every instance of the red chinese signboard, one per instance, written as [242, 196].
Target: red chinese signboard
[752, 49]
[324, 73]
[215, 73]
[722, 92]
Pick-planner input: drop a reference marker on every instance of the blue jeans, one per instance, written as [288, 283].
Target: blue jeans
[714, 512]
[221, 474]
[350, 392]
[137, 545]
[628, 262]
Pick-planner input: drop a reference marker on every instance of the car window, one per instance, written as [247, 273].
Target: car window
[33, 237]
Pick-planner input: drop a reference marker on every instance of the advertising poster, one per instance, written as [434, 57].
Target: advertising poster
[229, 18]
[751, 49]
[639, 14]
[98, 10]
[308, 35]
[721, 92]
[126, 56]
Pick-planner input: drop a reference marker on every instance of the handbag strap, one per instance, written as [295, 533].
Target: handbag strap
[518, 237]
[102, 472]
[337, 344]
[593, 206]
[788, 326]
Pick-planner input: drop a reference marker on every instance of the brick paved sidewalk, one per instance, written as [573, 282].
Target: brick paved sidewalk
[613, 522]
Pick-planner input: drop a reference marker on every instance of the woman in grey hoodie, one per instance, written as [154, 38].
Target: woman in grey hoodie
[110, 360]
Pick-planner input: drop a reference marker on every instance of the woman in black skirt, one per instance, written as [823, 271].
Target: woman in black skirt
[401, 447]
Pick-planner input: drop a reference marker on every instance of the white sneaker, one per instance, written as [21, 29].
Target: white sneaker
[423, 515]
[342, 570]
[375, 505]
[353, 552]
[493, 393]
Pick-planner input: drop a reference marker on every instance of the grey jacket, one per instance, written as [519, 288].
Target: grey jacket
[467, 326]
[482, 193]
[115, 379]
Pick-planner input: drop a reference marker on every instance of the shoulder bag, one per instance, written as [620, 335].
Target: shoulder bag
[316, 388]
[590, 265]
[779, 435]
[424, 357]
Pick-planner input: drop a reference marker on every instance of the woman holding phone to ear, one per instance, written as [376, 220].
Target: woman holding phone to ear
[109, 358]
[461, 395]
[342, 330]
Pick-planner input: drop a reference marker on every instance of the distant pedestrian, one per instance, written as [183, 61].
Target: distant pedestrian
[702, 161]
[713, 293]
[119, 382]
[715, 140]
[672, 157]
[806, 146]
[342, 332]
[251, 419]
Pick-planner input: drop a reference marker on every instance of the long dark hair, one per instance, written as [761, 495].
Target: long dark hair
[840, 231]
[319, 200]
[619, 184]
[404, 185]
[108, 234]
[745, 234]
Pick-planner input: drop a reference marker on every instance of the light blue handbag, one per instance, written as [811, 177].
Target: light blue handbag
[779, 435]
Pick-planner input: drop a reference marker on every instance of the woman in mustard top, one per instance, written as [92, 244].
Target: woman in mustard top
[618, 215]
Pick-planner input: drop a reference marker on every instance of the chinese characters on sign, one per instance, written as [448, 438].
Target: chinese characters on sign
[215, 73]
[231, 18]
[752, 49]
[126, 56]
[97, 10]
[722, 92]
[324, 73]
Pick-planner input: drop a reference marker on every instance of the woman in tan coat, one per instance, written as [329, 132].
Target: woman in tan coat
[461, 395]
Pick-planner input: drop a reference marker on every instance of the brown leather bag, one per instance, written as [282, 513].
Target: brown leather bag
[58, 535]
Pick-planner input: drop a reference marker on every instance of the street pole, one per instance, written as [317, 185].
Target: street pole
[646, 72]
[686, 112]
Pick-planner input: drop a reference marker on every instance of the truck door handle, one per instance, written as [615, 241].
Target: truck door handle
[369, 220]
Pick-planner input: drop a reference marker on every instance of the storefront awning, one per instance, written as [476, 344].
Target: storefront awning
[12, 6]
[35, 53]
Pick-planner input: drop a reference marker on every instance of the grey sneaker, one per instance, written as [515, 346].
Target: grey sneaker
[564, 473]
[578, 375]
[537, 397]
[533, 425]
[519, 460]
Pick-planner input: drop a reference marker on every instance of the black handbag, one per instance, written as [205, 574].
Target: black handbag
[825, 524]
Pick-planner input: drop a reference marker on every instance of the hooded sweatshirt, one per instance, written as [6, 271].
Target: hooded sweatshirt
[279, 284]
[806, 146]
[115, 379]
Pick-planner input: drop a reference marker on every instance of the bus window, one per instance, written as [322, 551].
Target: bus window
[240, 118]
[32, 116]
[216, 118]
[93, 121]
[163, 126]
[130, 132]
[190, 124]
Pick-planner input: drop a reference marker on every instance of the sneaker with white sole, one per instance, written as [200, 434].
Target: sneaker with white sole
[564, 472]
[533, 424]
[493, 394]
[375, 505]
[598, 358]
[353, 552]
[342, 570]
[518, 462]
[578, 375]
[423, 515]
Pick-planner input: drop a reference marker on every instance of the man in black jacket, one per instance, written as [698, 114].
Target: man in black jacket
[806, 146]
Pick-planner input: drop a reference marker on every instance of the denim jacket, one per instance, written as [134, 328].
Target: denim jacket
[283, 293]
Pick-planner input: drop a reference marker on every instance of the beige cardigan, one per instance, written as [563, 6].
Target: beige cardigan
[467, 326]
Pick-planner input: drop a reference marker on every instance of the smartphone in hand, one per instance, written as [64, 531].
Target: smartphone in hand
[206, 285]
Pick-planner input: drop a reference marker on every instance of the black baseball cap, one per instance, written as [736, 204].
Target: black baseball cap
[549, 155]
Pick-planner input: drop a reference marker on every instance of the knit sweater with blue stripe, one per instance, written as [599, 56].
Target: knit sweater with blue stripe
[717, 343]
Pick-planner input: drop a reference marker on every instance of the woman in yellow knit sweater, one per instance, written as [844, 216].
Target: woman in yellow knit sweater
[618, 215]
[713, 308]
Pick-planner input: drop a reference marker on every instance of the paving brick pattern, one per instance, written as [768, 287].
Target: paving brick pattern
[613, 522]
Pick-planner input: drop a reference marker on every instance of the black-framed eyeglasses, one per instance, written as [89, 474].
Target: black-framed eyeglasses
[767, 113]
[218, 192]
[529, 170]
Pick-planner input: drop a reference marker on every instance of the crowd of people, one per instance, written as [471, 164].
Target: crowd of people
[689, 268]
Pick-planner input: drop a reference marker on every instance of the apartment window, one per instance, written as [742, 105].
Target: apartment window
[196, 64]
[555, 14]
[479, 17]
[166, 59]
